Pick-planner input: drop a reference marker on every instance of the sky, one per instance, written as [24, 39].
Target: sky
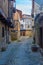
[25, 6]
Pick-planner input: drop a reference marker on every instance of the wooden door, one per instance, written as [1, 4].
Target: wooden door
[40, 37]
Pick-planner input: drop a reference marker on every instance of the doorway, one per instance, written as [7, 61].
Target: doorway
[40, 43]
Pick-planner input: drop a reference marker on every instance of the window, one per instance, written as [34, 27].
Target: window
[23, 20]
[2, 31]
[22, 26]
[4, 0]
[10, 12]
[28, 26]
[32, 20]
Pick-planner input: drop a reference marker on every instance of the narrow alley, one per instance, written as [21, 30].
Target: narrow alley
[21, 54]
[21, 32]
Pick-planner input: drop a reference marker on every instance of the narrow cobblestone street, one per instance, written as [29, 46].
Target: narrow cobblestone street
[21, 54]
[21, 32]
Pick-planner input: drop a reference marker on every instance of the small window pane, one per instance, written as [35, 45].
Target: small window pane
[2, 31]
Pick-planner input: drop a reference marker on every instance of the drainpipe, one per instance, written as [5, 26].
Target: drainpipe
[8, 18]
[32, 8]
[6, 33]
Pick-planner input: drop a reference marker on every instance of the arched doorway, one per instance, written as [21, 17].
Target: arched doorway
[39, 29]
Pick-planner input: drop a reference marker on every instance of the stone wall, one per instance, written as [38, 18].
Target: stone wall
[26, 33]
[2, 38]
[16, 31]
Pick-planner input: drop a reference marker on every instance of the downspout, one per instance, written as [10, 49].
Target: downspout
[8, 18]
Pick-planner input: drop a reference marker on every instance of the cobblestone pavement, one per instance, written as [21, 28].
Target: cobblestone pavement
[21, 54]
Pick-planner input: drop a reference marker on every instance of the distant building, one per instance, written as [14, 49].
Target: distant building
[28, 21]
[26, 24]
[16, 18]
[22, 24]
[20, 13]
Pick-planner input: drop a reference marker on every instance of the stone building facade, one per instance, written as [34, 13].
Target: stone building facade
[26, 25]
[16, 18]
[5, 23]
[38, 22]
[39, 30]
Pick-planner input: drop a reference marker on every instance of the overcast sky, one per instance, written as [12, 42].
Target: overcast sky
[24, 5]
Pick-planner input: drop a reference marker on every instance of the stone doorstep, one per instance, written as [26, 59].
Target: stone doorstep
[36, 45]
[5, 56]
[40, 49]
[41, 52]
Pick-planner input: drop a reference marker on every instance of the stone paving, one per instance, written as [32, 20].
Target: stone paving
[21, 54]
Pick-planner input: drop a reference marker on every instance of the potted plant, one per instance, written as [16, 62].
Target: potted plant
[34, 46]
[3, 49]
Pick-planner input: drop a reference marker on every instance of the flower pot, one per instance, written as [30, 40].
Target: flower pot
[34, 48]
